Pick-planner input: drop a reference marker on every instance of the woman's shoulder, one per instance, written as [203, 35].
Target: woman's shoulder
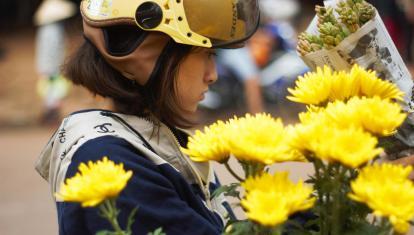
[107, 145]
[90, 133]
[115, 149]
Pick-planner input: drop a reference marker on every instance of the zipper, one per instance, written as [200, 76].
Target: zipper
[195, 174]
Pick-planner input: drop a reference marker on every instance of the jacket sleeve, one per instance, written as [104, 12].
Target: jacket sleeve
[159, 204]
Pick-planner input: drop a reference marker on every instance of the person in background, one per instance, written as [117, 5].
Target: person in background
[247, 63]
[50, 52]
[243, 64]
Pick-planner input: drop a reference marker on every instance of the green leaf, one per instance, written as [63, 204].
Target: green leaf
[310, 180]
[311, 223]
[131, 220]
[158, 231]
[228, 190]
[105, 232]
[241, 228]
[294, 224]
[366, 229]
[301, 232]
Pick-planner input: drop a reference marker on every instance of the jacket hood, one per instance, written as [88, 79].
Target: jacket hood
[80, 127]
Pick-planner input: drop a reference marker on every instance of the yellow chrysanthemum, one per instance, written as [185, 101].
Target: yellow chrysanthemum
[351, 147]
[259, 138]
[300, 136]
[378, 116]
[371, 85]
[387, 190]
[327, 85]
[94, 183]
[313, 113]
[270, 199]
[328, 141]
[343, 87]
[313, 87]
[342, 114]
[210, 144]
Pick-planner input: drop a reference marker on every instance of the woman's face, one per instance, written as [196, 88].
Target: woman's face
[196, 72]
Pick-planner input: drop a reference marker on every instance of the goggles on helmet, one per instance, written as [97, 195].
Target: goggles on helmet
[204, 23]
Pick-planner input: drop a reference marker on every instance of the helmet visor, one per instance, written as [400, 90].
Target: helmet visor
[224, 22]
[206, 23]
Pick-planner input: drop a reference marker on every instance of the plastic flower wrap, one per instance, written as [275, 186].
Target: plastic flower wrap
[387, 190]
[270, 199]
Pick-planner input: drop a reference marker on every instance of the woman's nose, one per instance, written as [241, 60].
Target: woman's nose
[211, 73]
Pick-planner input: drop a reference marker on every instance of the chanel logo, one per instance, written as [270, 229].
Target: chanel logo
[104, 128]
[62, 136]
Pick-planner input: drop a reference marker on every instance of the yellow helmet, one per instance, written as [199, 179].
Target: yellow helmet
[203, 23]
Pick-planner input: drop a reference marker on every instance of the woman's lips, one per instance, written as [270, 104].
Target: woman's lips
[203, 95]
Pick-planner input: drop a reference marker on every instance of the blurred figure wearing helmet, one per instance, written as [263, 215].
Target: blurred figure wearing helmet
[50, 51]
[252, 66]
[155, 61]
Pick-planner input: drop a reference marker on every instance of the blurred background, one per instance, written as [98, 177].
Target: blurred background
[35, 38]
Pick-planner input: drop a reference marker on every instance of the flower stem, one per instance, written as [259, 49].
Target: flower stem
[232, 172]
[336, 202]
[385, 224]
[110, 212]
[278, 231]
[322, 213]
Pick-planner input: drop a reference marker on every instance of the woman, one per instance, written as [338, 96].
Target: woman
[155, 61]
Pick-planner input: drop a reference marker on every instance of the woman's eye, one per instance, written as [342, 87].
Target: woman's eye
[212, 54]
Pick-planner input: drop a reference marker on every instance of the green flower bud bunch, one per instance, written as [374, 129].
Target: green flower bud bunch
[331, 35]
[309, 43]
[366, 12]
[348, 16]
[333, 29]
[355, 13]
[325, 14]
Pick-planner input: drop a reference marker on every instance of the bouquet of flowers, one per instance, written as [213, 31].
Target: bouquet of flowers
[349, 193]
[348, 32]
